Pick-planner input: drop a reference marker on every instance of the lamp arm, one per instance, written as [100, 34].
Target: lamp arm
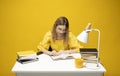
[98, 42]
[98, 37]
[94, 29]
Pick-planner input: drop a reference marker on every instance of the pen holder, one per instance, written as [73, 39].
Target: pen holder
[79, 63]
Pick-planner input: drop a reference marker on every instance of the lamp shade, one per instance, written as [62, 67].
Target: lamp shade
[83, 36]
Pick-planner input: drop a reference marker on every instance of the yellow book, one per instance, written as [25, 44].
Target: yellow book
[25, 53]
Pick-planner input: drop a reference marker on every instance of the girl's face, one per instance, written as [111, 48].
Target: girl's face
[60, 29]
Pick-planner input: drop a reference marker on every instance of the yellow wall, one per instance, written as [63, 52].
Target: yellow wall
[24, 22]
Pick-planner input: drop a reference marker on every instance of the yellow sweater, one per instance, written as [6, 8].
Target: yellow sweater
[58, 44]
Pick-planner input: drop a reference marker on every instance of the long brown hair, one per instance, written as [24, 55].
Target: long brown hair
[61, 21]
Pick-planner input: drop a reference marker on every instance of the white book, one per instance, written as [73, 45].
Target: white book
[27, 57]
[32, 56]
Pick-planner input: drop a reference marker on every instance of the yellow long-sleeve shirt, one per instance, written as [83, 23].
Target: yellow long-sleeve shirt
[58, 44]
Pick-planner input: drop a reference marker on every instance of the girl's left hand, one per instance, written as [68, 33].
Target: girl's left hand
[54, 53]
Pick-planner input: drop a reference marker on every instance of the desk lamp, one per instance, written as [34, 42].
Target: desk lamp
[83, 37]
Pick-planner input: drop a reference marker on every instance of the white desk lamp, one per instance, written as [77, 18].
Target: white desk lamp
[83, 37]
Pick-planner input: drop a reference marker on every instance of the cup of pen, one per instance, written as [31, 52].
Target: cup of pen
[79, 63]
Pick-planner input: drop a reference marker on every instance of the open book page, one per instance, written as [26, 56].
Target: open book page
[66, 56]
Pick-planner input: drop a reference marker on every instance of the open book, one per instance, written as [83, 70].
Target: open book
[66, 56]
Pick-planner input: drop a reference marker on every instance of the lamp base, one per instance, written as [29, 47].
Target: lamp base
[93, 66]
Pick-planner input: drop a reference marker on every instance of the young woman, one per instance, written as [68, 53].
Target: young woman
[60, 39]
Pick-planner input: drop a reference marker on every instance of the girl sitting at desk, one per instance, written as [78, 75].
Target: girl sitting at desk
[60, 39]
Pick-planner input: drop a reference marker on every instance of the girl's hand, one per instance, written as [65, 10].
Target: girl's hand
[47, 52]
[54, 53]
[68, 51]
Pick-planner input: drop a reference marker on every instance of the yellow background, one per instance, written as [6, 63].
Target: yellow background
[23, 24]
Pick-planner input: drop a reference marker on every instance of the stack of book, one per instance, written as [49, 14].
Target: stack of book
[89, 54]
[26, 56]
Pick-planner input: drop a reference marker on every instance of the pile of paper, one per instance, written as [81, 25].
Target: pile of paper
[27, 56]
[89, 54]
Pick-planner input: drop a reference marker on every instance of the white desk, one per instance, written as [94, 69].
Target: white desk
[47, 67]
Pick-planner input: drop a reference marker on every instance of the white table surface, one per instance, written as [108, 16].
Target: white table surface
[46, 64]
